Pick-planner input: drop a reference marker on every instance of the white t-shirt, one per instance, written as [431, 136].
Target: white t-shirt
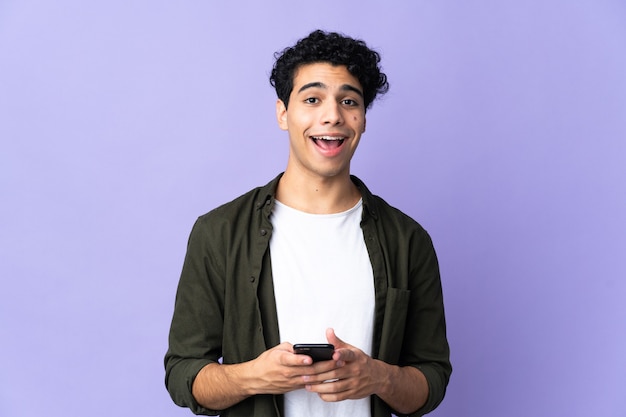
[322, 278]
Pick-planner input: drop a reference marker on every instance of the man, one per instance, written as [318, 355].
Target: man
[312, 256]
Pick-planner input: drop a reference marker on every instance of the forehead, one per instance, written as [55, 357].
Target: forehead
[332, 76]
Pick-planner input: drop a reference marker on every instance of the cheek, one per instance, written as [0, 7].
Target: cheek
[358, 120]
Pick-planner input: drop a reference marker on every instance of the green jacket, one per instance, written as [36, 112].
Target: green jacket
[225, 306]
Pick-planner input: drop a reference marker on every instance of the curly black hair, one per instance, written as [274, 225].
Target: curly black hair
[336, 49]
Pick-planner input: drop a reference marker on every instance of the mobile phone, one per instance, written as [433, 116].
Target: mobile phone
[317, 351]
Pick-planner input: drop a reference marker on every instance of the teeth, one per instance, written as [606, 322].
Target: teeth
[327, 138]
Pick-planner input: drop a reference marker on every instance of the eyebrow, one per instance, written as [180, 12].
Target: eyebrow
[317, 84]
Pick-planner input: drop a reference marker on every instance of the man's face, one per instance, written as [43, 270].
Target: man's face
[325, 120]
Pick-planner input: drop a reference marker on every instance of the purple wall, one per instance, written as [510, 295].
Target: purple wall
[504, 134]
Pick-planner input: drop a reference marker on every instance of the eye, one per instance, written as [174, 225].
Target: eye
[350, 102]
[311, 100]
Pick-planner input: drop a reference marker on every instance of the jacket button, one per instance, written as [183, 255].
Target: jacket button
[263, 232]
[252, 279]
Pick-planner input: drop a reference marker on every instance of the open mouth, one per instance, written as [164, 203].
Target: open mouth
[328, 142]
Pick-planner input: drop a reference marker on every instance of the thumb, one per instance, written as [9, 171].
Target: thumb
[334, 340]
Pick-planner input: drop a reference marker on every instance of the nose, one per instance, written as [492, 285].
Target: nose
[332, 114]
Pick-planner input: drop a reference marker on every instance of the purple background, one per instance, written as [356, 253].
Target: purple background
[504, 134]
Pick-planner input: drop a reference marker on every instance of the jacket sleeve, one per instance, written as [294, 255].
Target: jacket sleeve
[196, 329]
[425, 345]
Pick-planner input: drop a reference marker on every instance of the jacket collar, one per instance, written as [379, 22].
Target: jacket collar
[267, 196]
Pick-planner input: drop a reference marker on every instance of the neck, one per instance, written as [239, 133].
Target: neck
[317, 195]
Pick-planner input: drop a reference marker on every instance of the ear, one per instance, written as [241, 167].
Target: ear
[281, 114]
[364, 124]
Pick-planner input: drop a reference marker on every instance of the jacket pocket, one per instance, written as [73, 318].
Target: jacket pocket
[394, 324]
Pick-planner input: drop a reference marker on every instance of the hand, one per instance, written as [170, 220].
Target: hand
[351, 374]
[276, 371]
[355, 376]
[280, 370]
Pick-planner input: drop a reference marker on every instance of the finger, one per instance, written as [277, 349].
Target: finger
[285, 346]
[329, 388]
[290, 358]
[334, 340]
[342, 356]
[343, 351]
[296, 359]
